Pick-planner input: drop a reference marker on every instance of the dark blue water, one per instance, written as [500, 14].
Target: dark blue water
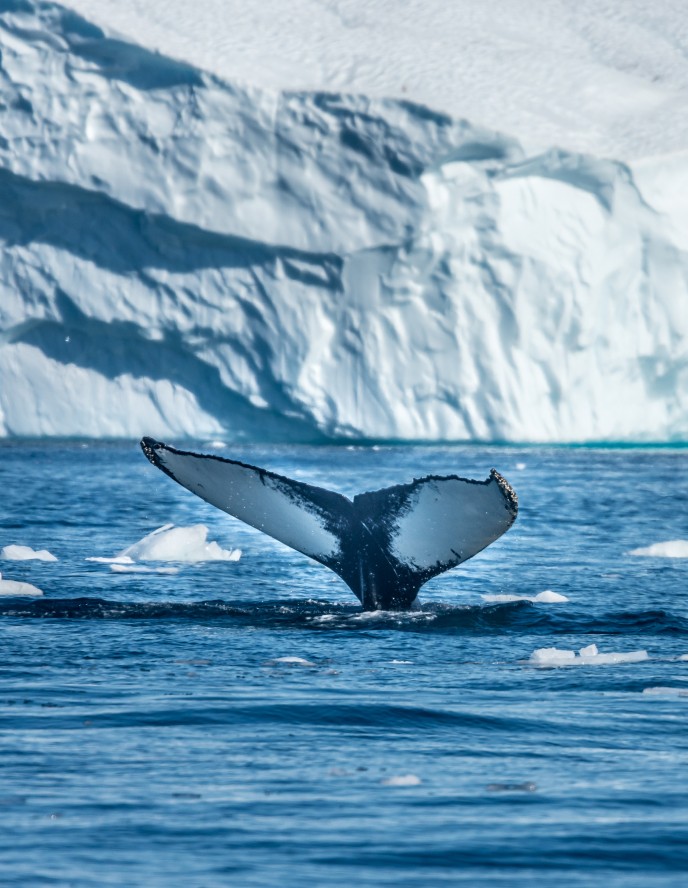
[148, 737]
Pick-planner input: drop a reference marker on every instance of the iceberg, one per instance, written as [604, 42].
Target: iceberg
[11, 588]
[223, 261]
[25, 553]
[170, 543]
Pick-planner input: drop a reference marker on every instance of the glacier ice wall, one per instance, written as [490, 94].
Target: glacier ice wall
[181, 256]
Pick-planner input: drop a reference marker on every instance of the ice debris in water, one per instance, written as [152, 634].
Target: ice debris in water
[138, 568]
[290, 661]
[401, 780]
[669, 549]
[14, 587]
[170, 543]
[666, 692]
[546, 597]
[587, 656]
[26, 553]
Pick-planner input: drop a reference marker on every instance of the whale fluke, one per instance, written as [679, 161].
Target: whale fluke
[384, 544]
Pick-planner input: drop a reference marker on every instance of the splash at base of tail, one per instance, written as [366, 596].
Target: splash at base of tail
[385, 545]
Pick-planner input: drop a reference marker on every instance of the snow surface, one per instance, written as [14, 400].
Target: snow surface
[669, 549]
[14, 587]
[219, 260]
[25, 553]
[587, 656]
[602, 76]
[170, 543]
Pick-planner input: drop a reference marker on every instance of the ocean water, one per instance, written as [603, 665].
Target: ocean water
[152, 733]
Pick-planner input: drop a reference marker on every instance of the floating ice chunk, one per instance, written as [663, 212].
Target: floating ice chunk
[666, 692]
[170, 543]
[552, 657]
[14, 587]
[550, 597]
[26, 553]
[290, 661]
[139, 568]
[587, 656]
[401, 780]
[520, 466]
[669, 549]
[546, 597]
[683, 657]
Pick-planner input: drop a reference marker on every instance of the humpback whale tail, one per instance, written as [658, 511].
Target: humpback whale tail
[384, 544]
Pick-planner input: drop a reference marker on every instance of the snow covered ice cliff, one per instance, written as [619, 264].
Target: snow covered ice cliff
[184, 256]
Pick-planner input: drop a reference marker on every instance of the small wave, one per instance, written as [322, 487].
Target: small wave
[513, 617]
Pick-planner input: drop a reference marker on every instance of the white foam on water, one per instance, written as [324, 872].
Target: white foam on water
[668, 549]
[398, 616]
[586, 656]
[401, 780]
[138, 568]
[546, 597]
[170, 543]
[10, 588]
[402, 662]
[290, 661]
[26, 553]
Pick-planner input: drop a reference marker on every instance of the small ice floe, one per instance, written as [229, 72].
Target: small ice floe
[666, 692]
[669, 549]
[14, 587]
[26, 553]
[587, 656]
[683, 657]
[289, 661]
[520, 466]
[141, 569]
[546, 597]
[170, 543]
[401, 780]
